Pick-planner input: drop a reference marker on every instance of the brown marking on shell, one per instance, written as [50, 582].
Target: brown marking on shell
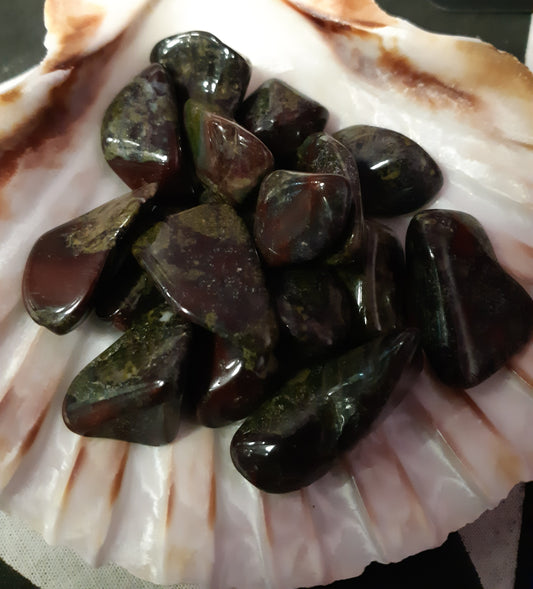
[8, 167]
[55, 121]
[119, 475]
[487, 67]
[170, 503]
[11, 95]
[8, 404]
[416, 505]
[79, 464]
[34, 430]
[268, 523]
[418, 512]
[363, 13]
[424, 418]
[424, 85]
[212, 507]
[507, 461]
[391, 63]
[73, 29]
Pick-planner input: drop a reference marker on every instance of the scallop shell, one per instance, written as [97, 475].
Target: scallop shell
[181, 513]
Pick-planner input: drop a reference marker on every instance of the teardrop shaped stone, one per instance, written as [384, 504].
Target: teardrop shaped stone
[472, 314]
[204, 261]
[282, 118]
[129, 293]
[300, 216]
[376, 285]
[397, 175]
[133, 391]
[233, 391]
[205, 69]
[140, 130]
[314, 310]
[229, 160]
[295, 436]
[321, 152]
[66, 263]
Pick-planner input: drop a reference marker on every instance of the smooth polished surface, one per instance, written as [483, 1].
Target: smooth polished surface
[133, 391]
[140, 130]
[204, 261]
[300, 216]
[66, 263]
[229, 160]
[205, 69]
[472, 314]
[397, 176]
[294, 437]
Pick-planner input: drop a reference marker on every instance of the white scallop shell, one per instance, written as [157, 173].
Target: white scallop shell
[181, 513]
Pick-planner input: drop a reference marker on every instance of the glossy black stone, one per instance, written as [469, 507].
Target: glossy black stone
[133, 391]
[204, 261]
[321, 152]
[314, 310]
[282, 118]
[300, 216]
[205, 69]
[295, 436]
[376, 285]
[67, 263]
[140, 131]
[397, 176]
[472, 314]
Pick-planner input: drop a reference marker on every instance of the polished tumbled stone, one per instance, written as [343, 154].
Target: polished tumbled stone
[397, 176]
[66, 264]
[321, 152]
[376, 284]
[296, 435]
[233, 391]
[472, 314]
[282, 118]
[204, 261]
[229, 160]
[140, 130]
[314, 310]
[205, 69]
[300, 216]
[133, 391]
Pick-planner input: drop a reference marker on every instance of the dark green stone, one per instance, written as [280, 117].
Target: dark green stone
[233, 391]
[314, 311]
[133, 390]
[204, 261]
[66, 264]
[376, 285]
[229, 160]
[205, 69]
[300, 216]
[282, 118]
[321, 152]
[140, 131]
[397, 176]
[295, 436]
[473, 316]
